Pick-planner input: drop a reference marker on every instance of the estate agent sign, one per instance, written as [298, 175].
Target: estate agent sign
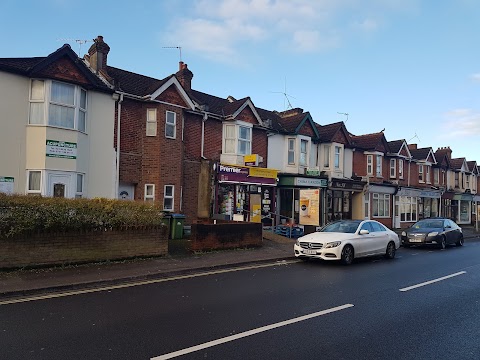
[61, 149]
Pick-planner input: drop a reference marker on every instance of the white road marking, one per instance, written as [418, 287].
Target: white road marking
[432, 281]
[141, 283]
[249, 333]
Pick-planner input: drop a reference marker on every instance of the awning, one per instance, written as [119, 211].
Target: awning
[381, 189]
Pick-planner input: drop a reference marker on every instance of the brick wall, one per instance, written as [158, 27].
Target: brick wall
[225, 235]
[70, 248]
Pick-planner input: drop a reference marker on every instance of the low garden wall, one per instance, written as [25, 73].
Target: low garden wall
[208, 235]
[81, 247]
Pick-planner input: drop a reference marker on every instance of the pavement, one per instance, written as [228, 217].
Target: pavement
[29, 282]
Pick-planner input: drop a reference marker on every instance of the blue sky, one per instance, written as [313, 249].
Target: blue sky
[409, 66]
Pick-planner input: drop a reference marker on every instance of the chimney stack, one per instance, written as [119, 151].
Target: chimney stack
[184, 75]
[97, 55]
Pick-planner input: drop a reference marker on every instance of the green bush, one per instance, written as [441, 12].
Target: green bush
[22, 215]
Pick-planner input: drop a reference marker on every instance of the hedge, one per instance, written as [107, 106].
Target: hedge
[21, 215]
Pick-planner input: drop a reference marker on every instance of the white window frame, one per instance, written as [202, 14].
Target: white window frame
[326, 156]
[80, 179]
[393, 168]
[171, 125]
[400, 168]
[338, 152]
[46, 100]
[29, 189]
[369, 164]
[378, 167]
[151, 126]
[381, 205]
[409, 203]
[168, 197]
[149, 195]
[467, 181]
[291, 143]
[303, 152]
[421, 174]
[436, 176]
[247, 141]
[233, 142]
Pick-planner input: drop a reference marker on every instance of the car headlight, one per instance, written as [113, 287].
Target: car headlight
[297, 242]
[332, 244]
[433, 233]
[404, 233]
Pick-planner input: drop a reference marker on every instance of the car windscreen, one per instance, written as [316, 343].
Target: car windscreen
[342, 227]
[428, 224]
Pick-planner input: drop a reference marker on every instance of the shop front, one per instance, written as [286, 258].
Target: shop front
[462, 208]
[344, 200]
[412, 205]
[301, 200]
[245, 193]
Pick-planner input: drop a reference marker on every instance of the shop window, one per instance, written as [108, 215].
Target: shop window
[408, 208]
[168, 198]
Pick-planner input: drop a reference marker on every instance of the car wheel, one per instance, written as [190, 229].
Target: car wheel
[443, 242]
[460, 241]
[347, 255]
[391, 250]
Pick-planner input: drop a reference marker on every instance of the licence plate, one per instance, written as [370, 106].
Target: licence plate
[415, 240]
[310, 252]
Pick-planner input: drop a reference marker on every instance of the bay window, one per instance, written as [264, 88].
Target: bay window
[337, 157]
[237, 139]
[381, 205]
[393, 168]
[379, 165]
[303, 152]
[369, 164]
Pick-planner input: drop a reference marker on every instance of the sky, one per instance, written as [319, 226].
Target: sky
[411, 67]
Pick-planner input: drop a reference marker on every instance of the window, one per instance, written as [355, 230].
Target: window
[79, 192]
[337, 157]
[436, 176]
[168, 198]
[367, 205]
[34, 182]
[291, 151]
[37, 99]
[151, 122]
[379, 165]
[303, 152]
[149, 193]
[427, 174]
[408, 208]
[457, 176]
[393, 168]
[237, 139]
[467, 181]
[369, 164]
[421, 175]
[326, 156]
[170, 125]
[381, 205]
[66, 105]
[400, 168]
[244, 140]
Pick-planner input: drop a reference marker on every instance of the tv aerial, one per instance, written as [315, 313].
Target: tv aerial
[345, 114]
[175, 47]
[286, 97]
[415, 137]
[80, 42]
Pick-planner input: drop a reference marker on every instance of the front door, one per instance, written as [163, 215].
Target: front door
[58, 185]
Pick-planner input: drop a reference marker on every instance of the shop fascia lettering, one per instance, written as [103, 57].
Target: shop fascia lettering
[230, 169]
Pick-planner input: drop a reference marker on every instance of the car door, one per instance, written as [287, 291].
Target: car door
[363, 243]
[380, 238]
[453, 231]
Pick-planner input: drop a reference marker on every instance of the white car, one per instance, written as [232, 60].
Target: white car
[348, 239]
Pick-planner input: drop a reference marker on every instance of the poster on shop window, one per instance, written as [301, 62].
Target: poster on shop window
[309, 207]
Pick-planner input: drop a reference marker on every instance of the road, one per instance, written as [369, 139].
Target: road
[425, 304]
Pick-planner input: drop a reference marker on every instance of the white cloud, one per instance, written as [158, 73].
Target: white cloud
[217, 29]
[476, 77]
[461, 123]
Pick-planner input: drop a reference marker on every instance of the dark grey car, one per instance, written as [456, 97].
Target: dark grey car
[435, 231]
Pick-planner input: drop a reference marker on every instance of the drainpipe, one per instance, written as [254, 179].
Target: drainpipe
[117, 177]
[205, 117]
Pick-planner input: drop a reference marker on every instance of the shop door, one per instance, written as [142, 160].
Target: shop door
[256, 208]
